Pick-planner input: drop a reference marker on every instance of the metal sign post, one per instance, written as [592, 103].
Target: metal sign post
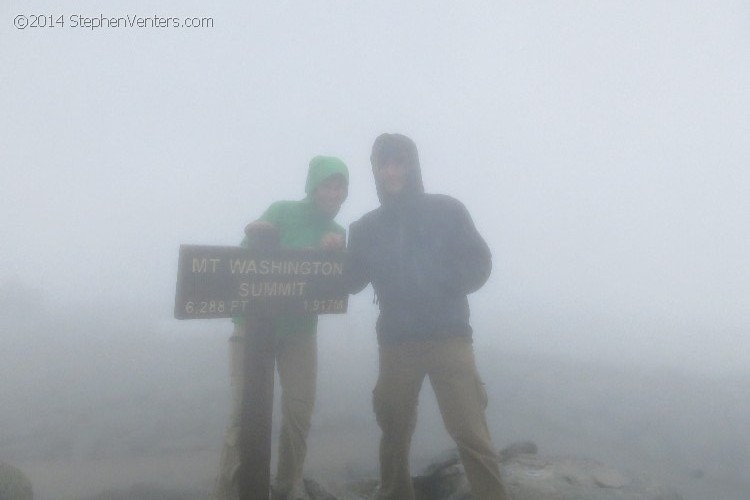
[254, 474]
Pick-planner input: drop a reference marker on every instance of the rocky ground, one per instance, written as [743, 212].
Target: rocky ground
[527, 474]
[96, 409]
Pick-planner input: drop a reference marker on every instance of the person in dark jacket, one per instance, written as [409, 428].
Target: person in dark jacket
[423, 255]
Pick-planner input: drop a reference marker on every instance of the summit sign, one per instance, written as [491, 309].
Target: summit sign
[223, 282]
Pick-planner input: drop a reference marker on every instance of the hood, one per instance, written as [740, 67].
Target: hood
[388, 146]
[321, 168]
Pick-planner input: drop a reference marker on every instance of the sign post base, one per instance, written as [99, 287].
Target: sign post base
[257, 408]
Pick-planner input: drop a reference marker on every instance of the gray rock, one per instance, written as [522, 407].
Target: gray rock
[530, 477]
[443, 478]
[143, 491]
[317, 492]
[14, 485]
[527, 476]
[516, 449]
[608, 478]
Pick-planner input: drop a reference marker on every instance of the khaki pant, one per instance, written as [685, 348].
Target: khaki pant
[296, 362]
[462, 400]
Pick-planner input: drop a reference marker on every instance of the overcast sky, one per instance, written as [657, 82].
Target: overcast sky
[603, 148]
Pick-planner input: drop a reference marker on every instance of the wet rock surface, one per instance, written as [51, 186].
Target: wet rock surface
[14, 485]
[148, 492]
[527, 475]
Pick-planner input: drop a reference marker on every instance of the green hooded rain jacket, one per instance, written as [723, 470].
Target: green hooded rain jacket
[301, 225]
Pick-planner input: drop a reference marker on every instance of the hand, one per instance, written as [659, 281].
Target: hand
[262, 235]
[332, 241]
[258, 226]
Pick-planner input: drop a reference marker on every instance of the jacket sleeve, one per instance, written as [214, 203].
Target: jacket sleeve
[258, 237]
[357, 273]
[470, 254]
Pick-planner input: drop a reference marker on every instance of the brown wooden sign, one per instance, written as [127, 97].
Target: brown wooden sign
[224, 282]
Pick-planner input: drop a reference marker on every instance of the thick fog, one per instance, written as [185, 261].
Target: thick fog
[601, 148]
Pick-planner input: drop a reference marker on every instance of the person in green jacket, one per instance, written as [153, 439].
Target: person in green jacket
[307, 223]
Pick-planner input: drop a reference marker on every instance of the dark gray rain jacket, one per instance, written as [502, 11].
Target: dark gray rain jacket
[423, 255]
